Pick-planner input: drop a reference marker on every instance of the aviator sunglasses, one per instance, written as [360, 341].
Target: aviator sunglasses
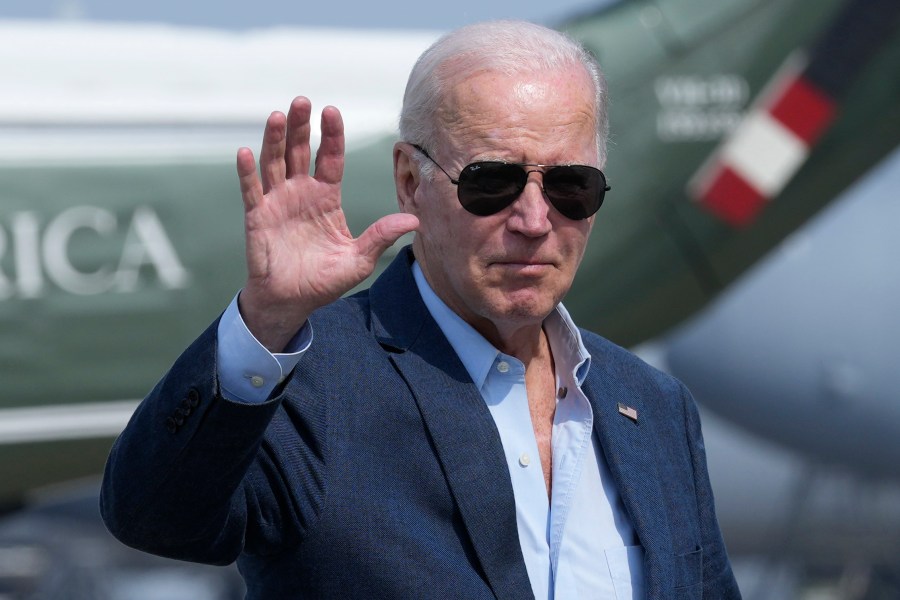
[487, 187]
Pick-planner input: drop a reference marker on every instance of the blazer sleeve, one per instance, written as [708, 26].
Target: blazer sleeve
[193, 475]
[718, 578]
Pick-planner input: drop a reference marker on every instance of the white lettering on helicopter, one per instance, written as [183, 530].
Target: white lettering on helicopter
[36, 256]
[699, 108]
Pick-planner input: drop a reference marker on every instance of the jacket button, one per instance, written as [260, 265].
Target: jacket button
[178, 418]
[171, 425]
[193, 397]
[186, 409]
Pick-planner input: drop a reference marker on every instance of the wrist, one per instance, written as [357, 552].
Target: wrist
[273, 325]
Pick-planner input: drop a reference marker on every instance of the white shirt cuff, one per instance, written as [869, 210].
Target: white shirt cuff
[247, 371]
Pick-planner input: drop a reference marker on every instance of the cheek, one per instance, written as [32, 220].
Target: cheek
[576, 237]
[463, 236]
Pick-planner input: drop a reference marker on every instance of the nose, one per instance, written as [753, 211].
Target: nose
[530, 211]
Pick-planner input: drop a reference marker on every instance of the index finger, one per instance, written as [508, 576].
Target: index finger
[330, 156]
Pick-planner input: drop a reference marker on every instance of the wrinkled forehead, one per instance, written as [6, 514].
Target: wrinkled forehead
[554, 105]
[457, 73]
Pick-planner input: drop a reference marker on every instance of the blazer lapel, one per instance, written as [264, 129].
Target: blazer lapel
[628, 446]
[465, 437]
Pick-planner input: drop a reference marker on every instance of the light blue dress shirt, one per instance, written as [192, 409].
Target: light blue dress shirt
[580, 543]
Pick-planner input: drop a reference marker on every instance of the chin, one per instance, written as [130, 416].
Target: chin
[524, 310]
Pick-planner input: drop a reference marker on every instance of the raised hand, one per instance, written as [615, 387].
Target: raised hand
[300, 253]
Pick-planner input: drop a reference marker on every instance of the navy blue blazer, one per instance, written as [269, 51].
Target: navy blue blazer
[376, 470]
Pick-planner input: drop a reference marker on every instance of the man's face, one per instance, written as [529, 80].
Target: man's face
[508, 270]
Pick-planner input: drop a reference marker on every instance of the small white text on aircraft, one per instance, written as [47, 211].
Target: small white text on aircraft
[697, 108]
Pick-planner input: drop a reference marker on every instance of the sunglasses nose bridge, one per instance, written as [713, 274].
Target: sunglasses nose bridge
[540, 181]
[530, 212]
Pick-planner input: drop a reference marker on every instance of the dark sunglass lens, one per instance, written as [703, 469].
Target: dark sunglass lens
[486, 188]
[575, 191]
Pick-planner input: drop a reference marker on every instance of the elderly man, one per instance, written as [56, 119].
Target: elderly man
[448, 433]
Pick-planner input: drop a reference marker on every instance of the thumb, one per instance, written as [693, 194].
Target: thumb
[382, 234]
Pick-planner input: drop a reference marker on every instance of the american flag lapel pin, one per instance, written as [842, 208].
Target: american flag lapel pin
[627, 411]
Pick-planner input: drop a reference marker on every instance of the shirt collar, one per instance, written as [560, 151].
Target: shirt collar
[566, 344]
[478, 355]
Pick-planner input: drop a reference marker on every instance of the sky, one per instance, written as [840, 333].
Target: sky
[405, 14]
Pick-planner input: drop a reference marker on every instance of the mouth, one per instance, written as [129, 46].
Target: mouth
[524, 266]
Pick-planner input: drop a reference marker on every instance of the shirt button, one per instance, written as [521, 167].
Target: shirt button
[257, 381]
[503, 366]
[524, 460]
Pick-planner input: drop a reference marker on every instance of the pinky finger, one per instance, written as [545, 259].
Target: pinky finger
[251, 187]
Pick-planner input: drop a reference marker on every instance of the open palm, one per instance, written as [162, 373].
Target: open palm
[300, 252]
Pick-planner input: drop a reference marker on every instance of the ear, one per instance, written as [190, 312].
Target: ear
[406, 177]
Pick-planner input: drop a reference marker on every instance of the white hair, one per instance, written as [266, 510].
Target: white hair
[509, 47]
